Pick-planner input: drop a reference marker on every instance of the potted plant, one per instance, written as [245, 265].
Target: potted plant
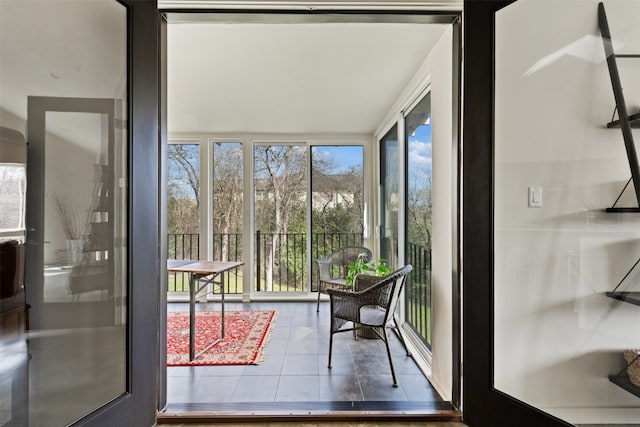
[362, 275]
[377, 268]
[76, 225]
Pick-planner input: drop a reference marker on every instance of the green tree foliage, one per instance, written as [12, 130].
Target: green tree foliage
[183, 185]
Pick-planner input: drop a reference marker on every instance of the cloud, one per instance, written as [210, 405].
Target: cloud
[420, 153]
[420, 158]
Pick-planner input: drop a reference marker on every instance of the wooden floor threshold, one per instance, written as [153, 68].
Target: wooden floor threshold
[308, 412]
[209, 418]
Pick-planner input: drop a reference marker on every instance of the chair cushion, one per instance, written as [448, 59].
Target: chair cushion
[372, 315]
[336, 281]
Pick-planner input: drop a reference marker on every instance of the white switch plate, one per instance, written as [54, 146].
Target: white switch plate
[535, 197]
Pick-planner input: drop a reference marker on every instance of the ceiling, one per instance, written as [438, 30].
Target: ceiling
[335, 78]
[83, 55]
[291, 75]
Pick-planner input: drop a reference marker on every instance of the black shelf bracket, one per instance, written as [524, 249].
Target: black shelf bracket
[623, 381]
[622, 209]
[630, 297]
[624, 120]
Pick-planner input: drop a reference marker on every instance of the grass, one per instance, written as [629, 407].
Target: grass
[424, 326]
[233, 282]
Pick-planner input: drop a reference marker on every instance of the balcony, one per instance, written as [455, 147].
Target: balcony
[281, 267]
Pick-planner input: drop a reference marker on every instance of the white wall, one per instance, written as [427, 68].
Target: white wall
[558, 337]
[442, 299]
[436, 71]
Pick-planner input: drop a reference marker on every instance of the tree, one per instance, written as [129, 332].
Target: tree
[183, 198]
[227, 195]
[280, 175]
[338, 206]
[419, 212]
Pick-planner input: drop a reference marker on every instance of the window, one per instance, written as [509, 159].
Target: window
[418, 210]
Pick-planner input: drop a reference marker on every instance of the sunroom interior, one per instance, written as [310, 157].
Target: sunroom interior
[557, 337]
[346, 104]
[323, 90]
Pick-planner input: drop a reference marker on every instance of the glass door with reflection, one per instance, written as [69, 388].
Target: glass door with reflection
[66, 80]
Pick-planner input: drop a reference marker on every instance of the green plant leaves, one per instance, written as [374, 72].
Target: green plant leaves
[375, 268]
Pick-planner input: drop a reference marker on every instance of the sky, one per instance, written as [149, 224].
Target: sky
[346, 157]
[343, 157]
[419, 152]
[420, 157]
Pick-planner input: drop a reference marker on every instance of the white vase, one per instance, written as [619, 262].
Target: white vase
[75, 247]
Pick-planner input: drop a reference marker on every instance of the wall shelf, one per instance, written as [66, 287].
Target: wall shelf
[625, 121]
[622, 381]
[630, 297]
[634, 121]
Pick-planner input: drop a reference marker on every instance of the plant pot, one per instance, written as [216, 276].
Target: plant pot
[362, 282]
[75, 248]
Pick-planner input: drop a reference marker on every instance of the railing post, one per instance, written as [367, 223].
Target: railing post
[258, 260]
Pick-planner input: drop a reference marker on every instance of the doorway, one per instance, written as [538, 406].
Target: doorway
[302, 113]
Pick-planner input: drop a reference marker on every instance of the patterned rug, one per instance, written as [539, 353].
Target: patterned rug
[245, 335]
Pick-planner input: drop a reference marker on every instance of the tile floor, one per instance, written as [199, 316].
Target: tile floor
[295, 367]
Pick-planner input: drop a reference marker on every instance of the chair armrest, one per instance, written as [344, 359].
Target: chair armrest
[369, 296]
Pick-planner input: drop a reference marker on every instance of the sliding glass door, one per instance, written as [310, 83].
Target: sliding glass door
[418, 202]
[389, 197]
[280, 217]
[227, 206]
[337, 202]
[183, 208]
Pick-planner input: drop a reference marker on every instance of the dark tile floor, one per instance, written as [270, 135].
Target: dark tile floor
[295, 366]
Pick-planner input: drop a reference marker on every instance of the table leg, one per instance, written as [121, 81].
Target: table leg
[192, 315]
[222, 305]
[195, 356]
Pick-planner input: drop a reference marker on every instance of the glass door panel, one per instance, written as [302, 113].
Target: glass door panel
[280, 215]
[76, 264]
[389, 197]
[183, 208]
[78, 315]
[560, 341]
[337, 205]
[65, 79]
[418, 208]
[228, 203]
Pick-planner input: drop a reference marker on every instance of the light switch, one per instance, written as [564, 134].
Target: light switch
[535, 197]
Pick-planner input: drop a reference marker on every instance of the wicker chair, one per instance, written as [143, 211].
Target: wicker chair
[333, 269]
[372, 308]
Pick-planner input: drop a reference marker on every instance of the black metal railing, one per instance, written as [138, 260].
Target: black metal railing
[181, 246]
[281, 262]
[280, 259]
[281, 266]
[323, 244]
[418, 291]
[226, 247]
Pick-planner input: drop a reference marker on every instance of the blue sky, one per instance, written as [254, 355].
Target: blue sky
[420, 157]
[343, 157]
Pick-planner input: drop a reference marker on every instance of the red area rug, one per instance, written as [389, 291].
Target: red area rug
[245, 334]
